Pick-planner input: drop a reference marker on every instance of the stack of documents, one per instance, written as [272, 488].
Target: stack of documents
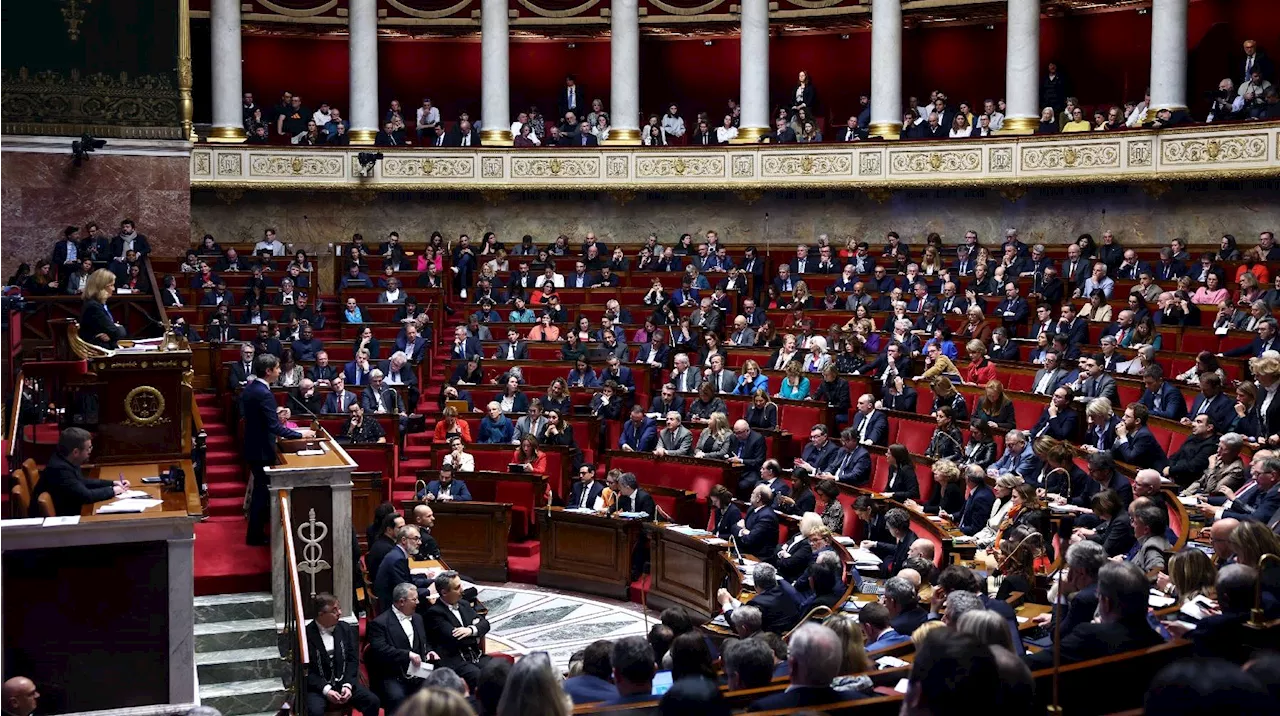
[128, 506]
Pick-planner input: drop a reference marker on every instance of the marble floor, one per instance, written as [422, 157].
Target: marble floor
[525, 619]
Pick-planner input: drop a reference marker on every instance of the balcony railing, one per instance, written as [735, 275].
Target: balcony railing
[1206, 152]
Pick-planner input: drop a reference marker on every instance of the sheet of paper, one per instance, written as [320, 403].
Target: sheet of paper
[133, 495]
[309, 453]
[901, 686]
[846, 541]
[890, 662]
[1188, 500]
[128, 506]
[1158, 600]
[865, 556]
[423, 671]
[720, 621]
[59, 521]
[716, 541]
[23, 522]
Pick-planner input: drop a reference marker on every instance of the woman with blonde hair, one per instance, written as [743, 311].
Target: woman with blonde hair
[795, 386]
[1190, 574]
[795, 555]
[713, 443]
[929, 263]
[1249, 541]
[800, 297]
[995, 408]
[1004, 487]
[439, 702]
[922, 631]
[96, 323]
[989, 627]
[751, 379]
[853, 643]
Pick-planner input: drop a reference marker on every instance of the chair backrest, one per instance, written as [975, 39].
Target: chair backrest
[21, 500]
[45, 506]
[32, 473]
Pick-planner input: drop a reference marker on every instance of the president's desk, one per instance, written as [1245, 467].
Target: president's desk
[98, 610]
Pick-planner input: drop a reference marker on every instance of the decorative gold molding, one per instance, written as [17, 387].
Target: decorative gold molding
[106, 106]
[1205, 153]
[186, 104]
[567, 12]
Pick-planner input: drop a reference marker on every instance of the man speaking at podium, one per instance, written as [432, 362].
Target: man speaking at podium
[261, 428]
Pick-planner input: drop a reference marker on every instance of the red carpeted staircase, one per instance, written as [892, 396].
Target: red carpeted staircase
[223, 562]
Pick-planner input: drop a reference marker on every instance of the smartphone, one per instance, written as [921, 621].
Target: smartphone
[661, 683]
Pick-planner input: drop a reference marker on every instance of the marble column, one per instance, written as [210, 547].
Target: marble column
[224, 22]
[624, 72]
[1021, 69]
[495, 74]
[1168, 56]
[754, 89]
[886, 69]
[362, 23]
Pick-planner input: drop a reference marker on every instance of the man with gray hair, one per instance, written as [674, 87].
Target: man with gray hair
[674, 438]
[1226, 469]
[394, 568]
[1109, 359]
[446, 679]
[959, 603]
[746, 620]
[1122, 620]
[397, 647]
[814, 660]
[777, 600]
[905, 613]
[748, 663]
[456, 629]
[758, 531]
[1084, 559]
[1018, 459]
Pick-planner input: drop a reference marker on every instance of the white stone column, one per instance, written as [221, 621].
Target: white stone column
[1021, 68]
[362, 23]
[224, 23]
[624, 72]
[754, 89]
[1168, 56]
[886, 69]
[495, 74]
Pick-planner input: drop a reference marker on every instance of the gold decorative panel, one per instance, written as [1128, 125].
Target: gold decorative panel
[229, 164]
[650, 167]
[744, 166]
[870, 164]
[1217, 149]
[809, 164]
[1000, 159]
[616, 167]
[1071, 156]
[568, 167]
[1140, 153]
[430, 167]
[286, 166]
[946, 161]
[200, 164]
[491, 168]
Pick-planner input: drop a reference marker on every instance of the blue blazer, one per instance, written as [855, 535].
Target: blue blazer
[646, 351]
[746, 386]
[857, 469]
[261, 424]
[761, 539]
[394, 570]
[1172, 405]
[877, 430]
[588, 689]
[1221, 410]
[977, 510]
[646, 439]
[349, 374]
[470, 347]
[457, 490]
[1142, 449]
[333, 405]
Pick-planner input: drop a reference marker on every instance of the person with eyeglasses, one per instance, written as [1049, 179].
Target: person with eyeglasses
[587, 492]
[394, 568]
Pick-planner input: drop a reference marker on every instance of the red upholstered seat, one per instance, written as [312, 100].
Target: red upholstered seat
[1175, 442]
[735, 410]
[852, 525]
[915, 434]
[924, 476]
[879, 472]
[1128, 394]
[1019, 382]
[1175, 522]
[380, 459]
[1026, 413]
[696, 478]
[924, 401]
[798, 419]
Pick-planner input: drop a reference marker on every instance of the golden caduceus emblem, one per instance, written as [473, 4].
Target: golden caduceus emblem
[144, 405]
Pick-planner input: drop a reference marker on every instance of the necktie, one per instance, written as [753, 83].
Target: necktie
[586, 492]
[862, 429]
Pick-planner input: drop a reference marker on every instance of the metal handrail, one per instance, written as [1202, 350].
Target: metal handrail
[294, 619]
[15, 417]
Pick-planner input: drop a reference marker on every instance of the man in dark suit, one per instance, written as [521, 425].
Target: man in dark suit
[513, 348]
[1049, 377]
[583, 137]
[818, 456]
[667, 402]
[640, 433]
[387, 137]
[261, 428]
[814, 657]
[238, 373]
[456, 630]
[782, 134]
[1072, 326]
[758, 535]
[333, 675]
[1013, 309]
[1213, 402]
[1058, 420]
[66, 253]
[593, 684]
[382, 545]
[977, 508]
[586, 490]
[392, 653]
[852, 464]
[777, 600]
[633, 499]
[871, 425]
[463, 346]
[1095, 383]
[340, 399]
[894, 553]
[1161, 398]
[1134, 442]
[905, 612]
[66, 484]
[571, 98]
[1265, 340]
[633, 664]
[394, 568]
[746, 449]
[1122, 626]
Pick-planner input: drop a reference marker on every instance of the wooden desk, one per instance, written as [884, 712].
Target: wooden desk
[472, 536]
[586, 552]
[185, 502]
[687, 571]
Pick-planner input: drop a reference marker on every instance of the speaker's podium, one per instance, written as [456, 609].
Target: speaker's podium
[311, 497]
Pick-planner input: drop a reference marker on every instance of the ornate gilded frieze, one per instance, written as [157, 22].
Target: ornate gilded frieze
[1142, 157]
[1071, 156]
[54, 103]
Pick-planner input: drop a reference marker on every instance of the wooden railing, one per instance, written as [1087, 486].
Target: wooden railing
[14, 431]
[294, 617]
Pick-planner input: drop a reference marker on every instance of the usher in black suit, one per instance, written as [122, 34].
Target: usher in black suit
[336, 669]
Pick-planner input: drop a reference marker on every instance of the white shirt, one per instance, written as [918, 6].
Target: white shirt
[724, 134]
[996, 120]
[515, 132]
[326, 638]
[276, 247]
[466, 139]
[464, 463]
[1137, 115]
[321, 118]
[428, 117]
[177, 300]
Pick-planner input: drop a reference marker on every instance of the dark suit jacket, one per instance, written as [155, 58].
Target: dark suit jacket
[642, 439]
[94, 320]
[822, 460]
[575, 496]
[894, 553]
[856, 468]
[761, 539]
[1142, 449]
[1172, 405]
[261, 424]
[977, 510]
[440, 624]
[1094, 641]
[639, 501]
[588, 689]
[140, 244]
[387, 140]
[69, 489]
[752, 451]
[877, 430]
[334, 406]
[908, 621]
[806, 696]
[1063, 427]
[394, 570]
[1259, 507]
[379, 548]
[778, 608]
[389, 648]
[1221, 410]
[343, 667]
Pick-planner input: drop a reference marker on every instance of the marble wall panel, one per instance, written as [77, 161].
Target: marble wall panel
[317, 221]
[43, 193]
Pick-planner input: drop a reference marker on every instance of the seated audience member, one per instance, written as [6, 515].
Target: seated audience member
[394, 568]
[384, 540]
[361, 430]
[1121, 620]
[391, 652]
[747, 621]
[424, 518]
[748, 663]
[1208, 685]
[446, 487]
[66, 484]
[1222, 634]
[594, 684]
[495, 428]
[333, 675]
[894, 553]
[905, 612]
[876, 628]
[632, 659]
[951, 673]
[775, 598]
[757, 534]
[1084, 560]
[815, 655]
[456, 630]
[639, 434]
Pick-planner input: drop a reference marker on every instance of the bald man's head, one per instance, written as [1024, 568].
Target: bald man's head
[20, 696]
[912, 576]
